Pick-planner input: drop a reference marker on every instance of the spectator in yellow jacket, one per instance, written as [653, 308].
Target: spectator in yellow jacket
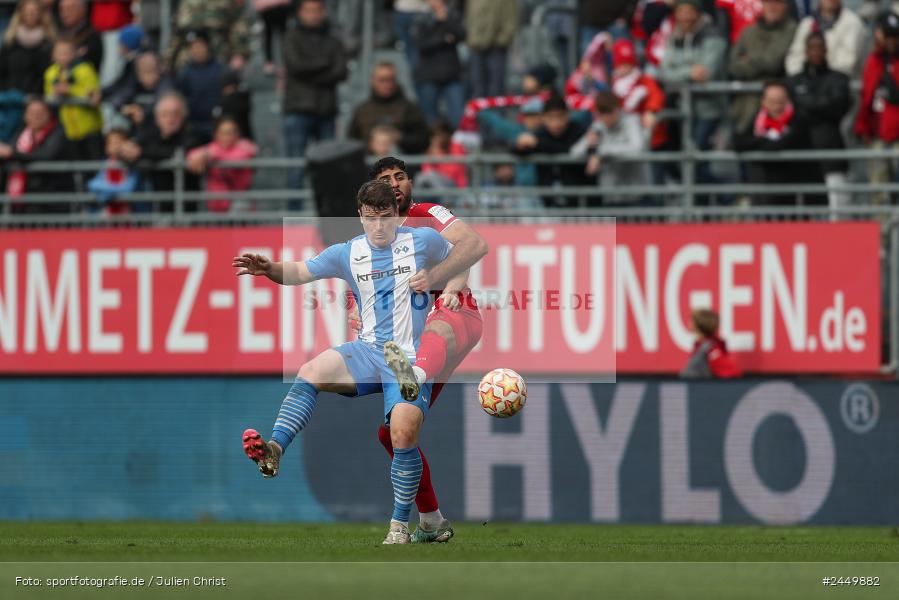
[72, 85]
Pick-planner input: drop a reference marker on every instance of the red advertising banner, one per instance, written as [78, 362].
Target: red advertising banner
[560, 299]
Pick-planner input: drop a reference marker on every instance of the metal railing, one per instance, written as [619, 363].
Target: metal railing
[677, 196]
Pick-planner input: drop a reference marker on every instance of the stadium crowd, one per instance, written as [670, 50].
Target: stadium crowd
[88, 81]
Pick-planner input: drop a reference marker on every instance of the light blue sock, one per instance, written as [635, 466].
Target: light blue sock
[296, 410]
[405, 473]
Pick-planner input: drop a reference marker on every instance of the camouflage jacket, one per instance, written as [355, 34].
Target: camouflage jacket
[225, 21]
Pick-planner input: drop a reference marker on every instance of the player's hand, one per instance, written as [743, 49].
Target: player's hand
[421, 281]
[252, 264]
[353, 319]
[450, 301]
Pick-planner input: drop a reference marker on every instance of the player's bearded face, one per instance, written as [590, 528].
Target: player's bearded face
[402, 187]
[379, 225]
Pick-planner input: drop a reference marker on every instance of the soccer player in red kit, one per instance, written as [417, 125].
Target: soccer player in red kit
[452, 329]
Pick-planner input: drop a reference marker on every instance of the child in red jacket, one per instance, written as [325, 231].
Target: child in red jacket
[639, 93]
[710, 358]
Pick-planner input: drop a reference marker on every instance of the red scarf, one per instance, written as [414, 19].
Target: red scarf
[630, 90]
[770, 127]
[27, 142]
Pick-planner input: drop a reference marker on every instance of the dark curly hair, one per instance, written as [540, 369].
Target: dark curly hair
[388, 162]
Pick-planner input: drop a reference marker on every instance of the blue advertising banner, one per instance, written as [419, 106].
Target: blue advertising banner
[752, 451]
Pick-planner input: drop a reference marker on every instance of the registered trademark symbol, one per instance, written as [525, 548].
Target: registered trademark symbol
[860, 408]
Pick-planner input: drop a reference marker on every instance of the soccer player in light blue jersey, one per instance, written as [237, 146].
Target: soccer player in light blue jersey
[378, 266]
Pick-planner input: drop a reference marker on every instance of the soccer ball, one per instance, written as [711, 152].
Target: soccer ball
[502, 393]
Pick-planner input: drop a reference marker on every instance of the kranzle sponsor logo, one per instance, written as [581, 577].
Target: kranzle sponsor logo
[375, 275]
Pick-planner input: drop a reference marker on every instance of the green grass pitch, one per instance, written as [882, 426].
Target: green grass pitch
[495, 560]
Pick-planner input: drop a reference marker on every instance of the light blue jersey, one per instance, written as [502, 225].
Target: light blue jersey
[379, 279]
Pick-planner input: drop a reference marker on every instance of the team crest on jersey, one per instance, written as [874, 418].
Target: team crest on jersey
[401, 250]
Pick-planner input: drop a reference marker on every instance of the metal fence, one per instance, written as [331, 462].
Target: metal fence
[674, 200]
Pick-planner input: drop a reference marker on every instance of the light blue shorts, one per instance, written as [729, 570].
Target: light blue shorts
[369, 370]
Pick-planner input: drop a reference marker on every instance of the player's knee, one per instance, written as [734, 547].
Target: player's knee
[404, 436]
[310, 373]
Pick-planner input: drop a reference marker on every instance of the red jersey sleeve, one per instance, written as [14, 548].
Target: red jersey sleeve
[430, 215]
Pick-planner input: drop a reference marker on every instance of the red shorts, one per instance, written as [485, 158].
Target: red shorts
[467, 326]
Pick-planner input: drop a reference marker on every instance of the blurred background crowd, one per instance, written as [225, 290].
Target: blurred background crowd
[231, 80]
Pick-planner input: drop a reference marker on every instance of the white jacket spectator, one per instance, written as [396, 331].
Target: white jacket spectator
[846, 36]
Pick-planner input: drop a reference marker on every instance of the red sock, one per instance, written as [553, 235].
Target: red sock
[431, 354]
[425, 499]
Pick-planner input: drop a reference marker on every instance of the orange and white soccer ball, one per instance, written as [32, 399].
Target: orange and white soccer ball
[502, 393]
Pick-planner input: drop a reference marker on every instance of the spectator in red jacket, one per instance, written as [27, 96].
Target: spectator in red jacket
[710, 358]
[639, 93]
[877, 123]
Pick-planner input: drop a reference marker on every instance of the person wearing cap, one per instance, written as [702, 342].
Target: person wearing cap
[639, 93]
[877, 122]
[200, 81]
[131, 40]
[759, 56]
[695, 54]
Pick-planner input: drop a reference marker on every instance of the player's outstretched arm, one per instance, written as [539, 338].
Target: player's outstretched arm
[468, 248]
[284, 273]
